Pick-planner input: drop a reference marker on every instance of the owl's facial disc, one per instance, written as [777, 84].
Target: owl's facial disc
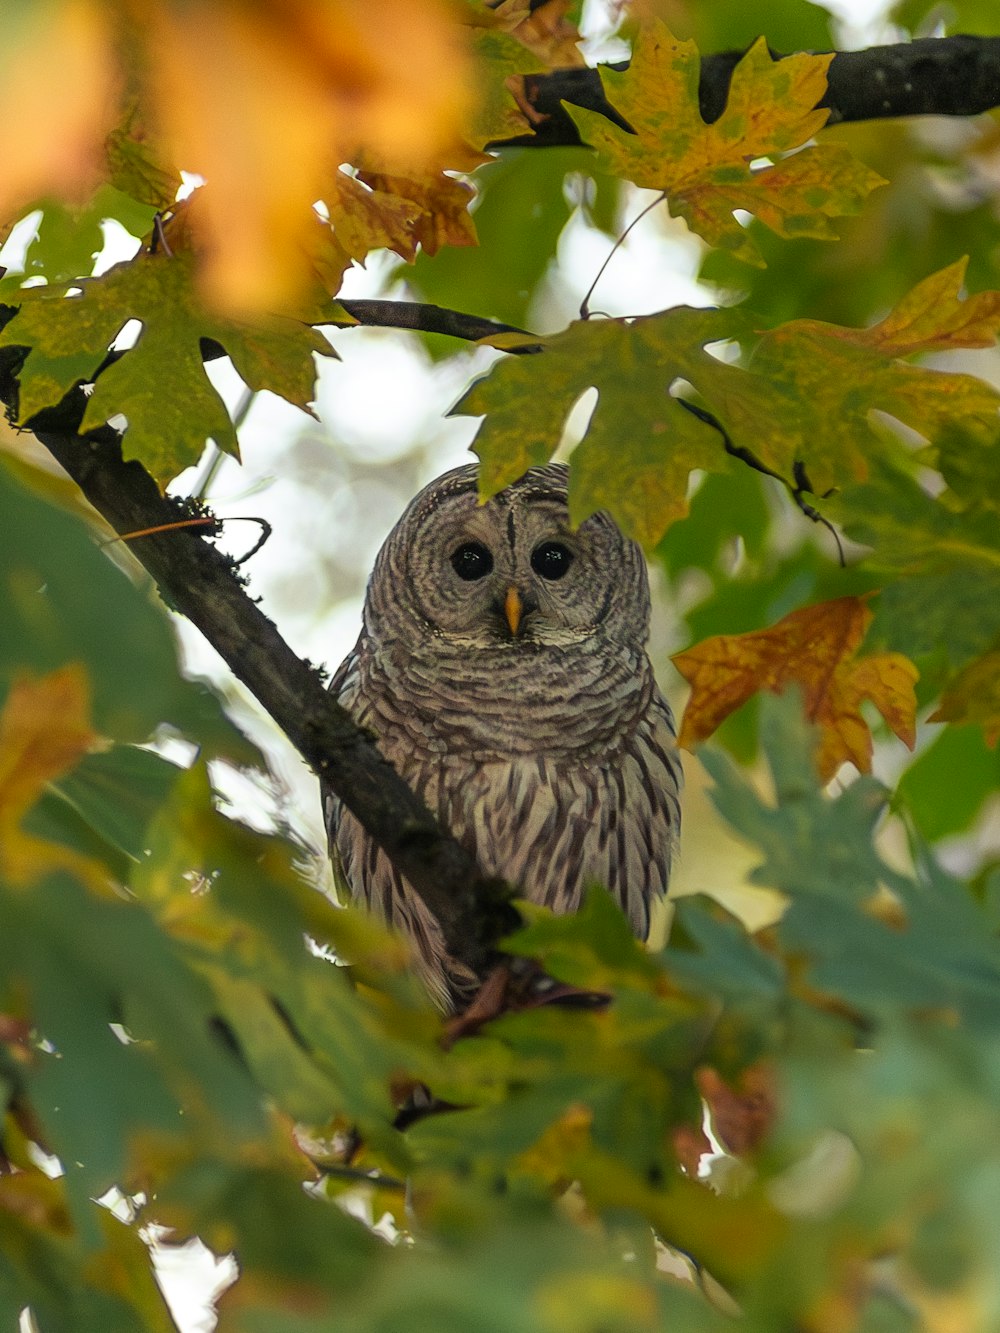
[510, 574]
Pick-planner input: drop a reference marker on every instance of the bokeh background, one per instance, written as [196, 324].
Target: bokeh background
[332, 486]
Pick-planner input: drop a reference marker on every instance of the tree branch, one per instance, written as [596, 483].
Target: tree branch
[932, 76]
[423, 318]
[200, 582]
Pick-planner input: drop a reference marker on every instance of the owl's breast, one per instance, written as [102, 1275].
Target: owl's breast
[493, 706]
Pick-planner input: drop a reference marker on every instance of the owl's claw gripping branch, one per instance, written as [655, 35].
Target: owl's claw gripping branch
[199, 581]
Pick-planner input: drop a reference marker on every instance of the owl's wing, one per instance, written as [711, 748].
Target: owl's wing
[332, 819]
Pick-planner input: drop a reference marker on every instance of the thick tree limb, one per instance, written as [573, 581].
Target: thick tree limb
[200, 582]
[932, 76]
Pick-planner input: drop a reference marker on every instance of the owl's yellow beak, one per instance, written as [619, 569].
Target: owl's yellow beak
[513, 607]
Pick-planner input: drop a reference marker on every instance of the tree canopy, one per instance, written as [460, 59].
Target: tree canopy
[811, 460]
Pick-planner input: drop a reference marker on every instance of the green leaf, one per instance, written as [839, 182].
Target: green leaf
[135, 169]
[814, 385]
[811, 845]
[159, 385]
[710, 951]
[118, 793]
[83, 964]
[946, 594]
[653, 441]
[236, 902]
[593, 949]
[62, 600]
[944, 959]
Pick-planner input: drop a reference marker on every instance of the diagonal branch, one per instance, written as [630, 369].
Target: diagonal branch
[201, 583]
[932, 76]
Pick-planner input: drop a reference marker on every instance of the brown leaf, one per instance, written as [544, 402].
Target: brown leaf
[813, 648]
[439, 206]
[741, 1115]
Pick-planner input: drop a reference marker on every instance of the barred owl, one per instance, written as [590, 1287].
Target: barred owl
[502, 667]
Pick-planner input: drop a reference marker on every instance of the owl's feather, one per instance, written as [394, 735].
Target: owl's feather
[549, 753]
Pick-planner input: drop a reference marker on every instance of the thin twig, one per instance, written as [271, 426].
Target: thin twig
[585, 303]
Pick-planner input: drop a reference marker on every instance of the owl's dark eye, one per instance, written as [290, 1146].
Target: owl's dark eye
[551, 560]
[471, 561]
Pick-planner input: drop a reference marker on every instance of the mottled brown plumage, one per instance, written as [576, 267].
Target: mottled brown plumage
[502, 666]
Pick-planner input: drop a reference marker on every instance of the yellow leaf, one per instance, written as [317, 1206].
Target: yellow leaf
[44, 731]
[835, 376]
[933, 318]
[706, 170]
[815, 649]
[57, 100]
[974, 696]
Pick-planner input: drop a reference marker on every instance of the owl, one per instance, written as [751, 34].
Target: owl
[502, 667]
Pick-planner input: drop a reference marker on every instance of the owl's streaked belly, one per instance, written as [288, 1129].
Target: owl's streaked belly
[548, 792]
[552, 824]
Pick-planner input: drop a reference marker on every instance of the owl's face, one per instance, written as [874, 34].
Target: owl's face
[509, 574]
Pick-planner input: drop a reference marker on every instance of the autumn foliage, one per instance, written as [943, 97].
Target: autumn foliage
[811, 460]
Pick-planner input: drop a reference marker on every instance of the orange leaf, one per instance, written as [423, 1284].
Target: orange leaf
[44, 731]
[265, 99]
[813, 648]
[974, 696]
[57, 100]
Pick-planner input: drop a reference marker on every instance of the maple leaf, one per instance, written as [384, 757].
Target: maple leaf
[44, 731]
[378, 209]
[806, 395]
[159, 385]
[836, 375]
[973, 695]
[640, 445]
[439, 205]
[705, 170]
[815, 649]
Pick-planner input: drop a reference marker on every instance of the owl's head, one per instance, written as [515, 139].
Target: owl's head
[507, 574]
